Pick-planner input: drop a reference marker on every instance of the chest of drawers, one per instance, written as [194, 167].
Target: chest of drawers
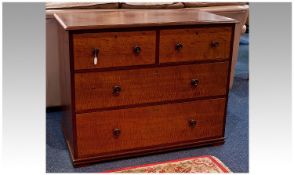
[143, 81]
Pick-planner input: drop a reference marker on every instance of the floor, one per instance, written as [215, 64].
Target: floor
[234, 153]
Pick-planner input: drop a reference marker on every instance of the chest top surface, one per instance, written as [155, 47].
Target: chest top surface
[83, 20]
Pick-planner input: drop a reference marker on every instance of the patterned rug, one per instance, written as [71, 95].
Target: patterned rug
[202, 164]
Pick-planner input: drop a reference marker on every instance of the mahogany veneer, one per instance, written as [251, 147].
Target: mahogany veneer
[149, 126]
[112, 43]
[197, 44]
[144, 81]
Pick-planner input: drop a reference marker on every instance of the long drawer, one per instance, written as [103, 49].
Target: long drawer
[135, 128]
[96, 90]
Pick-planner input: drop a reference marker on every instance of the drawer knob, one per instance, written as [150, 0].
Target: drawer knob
[179, 46]
[214, 44]
[194, 82]
[95, 56]
[192, 123]
[137, 49]
[116, 90]
[116, 132]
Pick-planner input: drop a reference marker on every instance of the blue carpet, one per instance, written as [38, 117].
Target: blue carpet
[234, 153]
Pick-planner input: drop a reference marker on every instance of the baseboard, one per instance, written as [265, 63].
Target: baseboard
[135, 153]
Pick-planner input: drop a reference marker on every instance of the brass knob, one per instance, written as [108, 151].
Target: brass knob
[179, 46]
[116, 132]
[116, 90]
[137, 49]
[214, 44]
[192, 123]
[194, 82]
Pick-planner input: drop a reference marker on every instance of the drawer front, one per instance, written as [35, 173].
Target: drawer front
[113, 49]
[194, 44]
[128, 87]
[135, 128]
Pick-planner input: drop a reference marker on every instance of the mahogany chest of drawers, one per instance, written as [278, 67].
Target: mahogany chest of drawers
[143, 81]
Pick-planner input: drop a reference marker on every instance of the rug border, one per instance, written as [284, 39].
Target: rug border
[219, 163]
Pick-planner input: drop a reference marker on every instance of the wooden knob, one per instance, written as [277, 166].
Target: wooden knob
[214, 44]
[116, 132]
[137, 49]
[179, 46]
[116, 90]
[192, 123]
[194, 82]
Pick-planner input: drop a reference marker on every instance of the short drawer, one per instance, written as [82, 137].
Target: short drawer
[194, 44]
[113, 49]
[136, 128]
[96, 90]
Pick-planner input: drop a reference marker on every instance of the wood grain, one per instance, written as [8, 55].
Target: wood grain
[136, 18]
[148, 126]
[196, 44]
[115, 49]
[95, 90]
[66, 78]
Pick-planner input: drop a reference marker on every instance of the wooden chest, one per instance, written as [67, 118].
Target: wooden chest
[143, 81]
